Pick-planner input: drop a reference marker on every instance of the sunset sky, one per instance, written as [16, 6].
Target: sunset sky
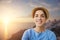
[17, 9]
[21, 10]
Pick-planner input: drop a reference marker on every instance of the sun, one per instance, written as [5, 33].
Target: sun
[6, 21]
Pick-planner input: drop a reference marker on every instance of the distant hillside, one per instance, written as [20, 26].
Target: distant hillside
[54, 25]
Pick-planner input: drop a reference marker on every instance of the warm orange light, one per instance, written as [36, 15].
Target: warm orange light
[6, 21]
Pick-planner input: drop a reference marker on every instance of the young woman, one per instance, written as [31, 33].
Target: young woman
[40, 16]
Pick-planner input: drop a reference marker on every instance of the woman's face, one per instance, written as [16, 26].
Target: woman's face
[39, 18]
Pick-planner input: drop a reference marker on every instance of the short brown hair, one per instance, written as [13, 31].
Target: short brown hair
[41, 8]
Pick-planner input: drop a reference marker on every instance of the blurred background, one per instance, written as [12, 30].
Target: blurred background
[15, 17]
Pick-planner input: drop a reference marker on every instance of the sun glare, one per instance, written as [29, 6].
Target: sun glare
[6, 21]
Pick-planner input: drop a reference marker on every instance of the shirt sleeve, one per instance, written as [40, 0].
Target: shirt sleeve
[25, 35]
[52, 36]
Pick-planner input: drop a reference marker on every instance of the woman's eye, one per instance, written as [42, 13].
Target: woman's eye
[36, 15]
[42, 16]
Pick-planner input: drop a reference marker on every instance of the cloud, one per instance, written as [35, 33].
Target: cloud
[47, 5]
[5, 1]
[41, 3]
[56, 9]
[59, 4]
[31, 4]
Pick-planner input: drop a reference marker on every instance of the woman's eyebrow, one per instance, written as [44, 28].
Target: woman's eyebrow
[42, 14]
[36, 14]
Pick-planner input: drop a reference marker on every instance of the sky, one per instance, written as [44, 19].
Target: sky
[21, 10]
[17, 9]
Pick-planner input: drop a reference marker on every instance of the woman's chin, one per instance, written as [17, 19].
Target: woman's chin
[39, 25]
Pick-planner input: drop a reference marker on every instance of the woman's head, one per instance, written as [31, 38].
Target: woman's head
[46, 13]
[40, 15]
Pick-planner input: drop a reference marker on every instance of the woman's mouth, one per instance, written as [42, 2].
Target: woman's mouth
[39, 21]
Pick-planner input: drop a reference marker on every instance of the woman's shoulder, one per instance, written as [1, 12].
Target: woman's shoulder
[28, 30]
[51, 34]
[49, 31]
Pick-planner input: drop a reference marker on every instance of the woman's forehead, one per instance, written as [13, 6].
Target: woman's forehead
[39, 12]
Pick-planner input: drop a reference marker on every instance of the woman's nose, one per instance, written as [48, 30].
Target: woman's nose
[39, 18]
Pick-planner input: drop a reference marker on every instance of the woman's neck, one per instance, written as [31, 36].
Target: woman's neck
[39, 29]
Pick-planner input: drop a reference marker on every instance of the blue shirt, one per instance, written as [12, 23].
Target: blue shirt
[31, 34]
